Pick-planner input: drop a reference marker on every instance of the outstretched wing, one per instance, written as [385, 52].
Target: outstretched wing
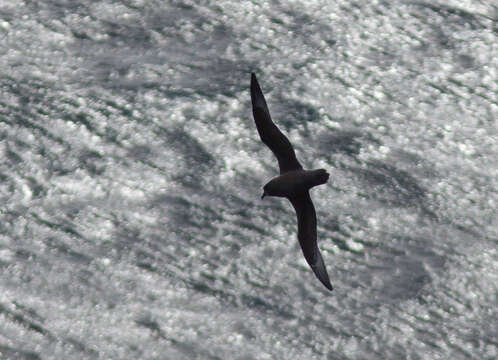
[306, 233]
[269, 132]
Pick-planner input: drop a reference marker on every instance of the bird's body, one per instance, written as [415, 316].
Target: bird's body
[293, 183]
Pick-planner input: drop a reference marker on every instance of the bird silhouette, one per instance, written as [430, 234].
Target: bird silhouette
[293, 182]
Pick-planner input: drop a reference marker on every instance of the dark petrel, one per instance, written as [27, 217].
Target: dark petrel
[293, 183]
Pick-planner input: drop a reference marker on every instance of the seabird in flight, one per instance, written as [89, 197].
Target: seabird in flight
[293, 182]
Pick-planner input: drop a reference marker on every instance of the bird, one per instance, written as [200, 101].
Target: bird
[293, 182]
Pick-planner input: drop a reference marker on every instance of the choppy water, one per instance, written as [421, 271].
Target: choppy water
[130, 220]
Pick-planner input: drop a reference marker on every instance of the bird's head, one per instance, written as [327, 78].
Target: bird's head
[266, 191]
[272, 188]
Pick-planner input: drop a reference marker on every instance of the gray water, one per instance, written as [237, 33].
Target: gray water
[131, 224]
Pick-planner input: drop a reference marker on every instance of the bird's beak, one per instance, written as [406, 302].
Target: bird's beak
[264, 194]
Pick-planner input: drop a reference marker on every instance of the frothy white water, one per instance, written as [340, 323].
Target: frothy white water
[130, 218]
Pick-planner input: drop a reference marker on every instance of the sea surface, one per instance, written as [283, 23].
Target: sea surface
[131, 224]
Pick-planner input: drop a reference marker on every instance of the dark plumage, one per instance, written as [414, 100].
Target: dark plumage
[293, 183]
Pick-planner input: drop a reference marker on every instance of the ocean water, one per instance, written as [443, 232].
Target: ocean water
[131, 224]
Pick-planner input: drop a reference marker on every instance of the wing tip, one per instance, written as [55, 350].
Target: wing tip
[326, 283]
[257, 97]
[329, 286]
[254, 82]
[321, 273]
